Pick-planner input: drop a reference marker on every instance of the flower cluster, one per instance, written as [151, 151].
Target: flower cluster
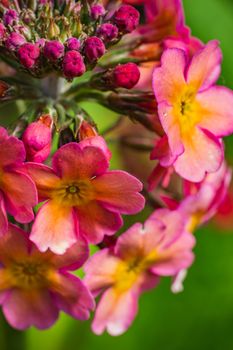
[58, 192]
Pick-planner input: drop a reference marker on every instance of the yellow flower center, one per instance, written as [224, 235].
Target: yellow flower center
[187, 111]
[75, 193]
[29, 274]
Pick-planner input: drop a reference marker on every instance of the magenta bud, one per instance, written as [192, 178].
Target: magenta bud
[73, 44]
[14, 41]
[37, 139]
[2, 31]
[53, 50]
[126, 75]
[94, 48]
[73, 65]
[126, 18]
[9, 17]
[28, 54]
[97, 11]
[107, 32]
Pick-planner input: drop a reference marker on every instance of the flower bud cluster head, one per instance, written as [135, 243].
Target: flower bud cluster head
[68, 37]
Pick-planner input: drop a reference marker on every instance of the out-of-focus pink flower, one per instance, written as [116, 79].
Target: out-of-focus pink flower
[107, 32]
[194, 112]
[83, 196]
[97, 11]
[35, 286]
[10, 17]
[14, 41]
[126, 18]
[141, 255]
[37, 139]
[17, 191]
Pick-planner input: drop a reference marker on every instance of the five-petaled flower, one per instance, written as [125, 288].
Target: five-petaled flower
[141, 255]
[17, 191]
[194, 113]
[83, 196]
[35, 286]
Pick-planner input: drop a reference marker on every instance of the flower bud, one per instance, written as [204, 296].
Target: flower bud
[126, 75]
[73, 65]
[53, 50]
[107, 32]
[2, 31]
[14, 41]
[97, 11]
[37, 139]
[73, 44]
[126, 18]
[86, 130]
[93, 48]
[10, 17]
[28, 54]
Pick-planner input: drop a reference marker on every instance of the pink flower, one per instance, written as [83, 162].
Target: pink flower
[83, 196]
[37, 139]
[194, 113]
[141, 255]
[17, 191]
[34, 286]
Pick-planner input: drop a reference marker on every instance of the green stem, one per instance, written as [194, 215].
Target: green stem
[11, 339]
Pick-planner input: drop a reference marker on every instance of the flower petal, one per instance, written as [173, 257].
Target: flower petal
[169, 79]
[72, 296]
[216, 108]
[95, 221]
[203, 154]
[100, 270]
[54, 228]
[205, 67]
[44, 178]
[115, 312]
[118, 191]
[3, 217]
[12, 151]
[24, 308]
[20, 195]
[74, 257]
[73, 162]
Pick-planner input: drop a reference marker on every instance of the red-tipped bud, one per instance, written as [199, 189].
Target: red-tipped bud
[94, 49]
[37, 139]
[28, 55]
[126, 18]
[73, 65]
[86, 130]
[126, 75]
[53, 50]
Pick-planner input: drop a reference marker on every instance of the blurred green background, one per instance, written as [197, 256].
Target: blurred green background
[202, 316]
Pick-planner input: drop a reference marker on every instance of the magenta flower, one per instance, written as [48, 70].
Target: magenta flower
[93, 48]
[28, 55]
[35, 286]
[73, 65]
[194, 113]
[126, 18]
[83, 196]
[126, 75]
[141, 255]
[53, 50]
[17, 191]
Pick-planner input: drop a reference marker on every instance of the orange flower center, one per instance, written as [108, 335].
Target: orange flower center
[76, 193]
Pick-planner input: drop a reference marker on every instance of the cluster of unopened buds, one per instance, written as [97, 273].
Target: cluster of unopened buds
[57, 192]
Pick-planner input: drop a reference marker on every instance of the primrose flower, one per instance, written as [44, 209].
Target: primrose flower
[83, 196]
[17, 191]
[35, 286]
[141, 255]
[194, 113]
